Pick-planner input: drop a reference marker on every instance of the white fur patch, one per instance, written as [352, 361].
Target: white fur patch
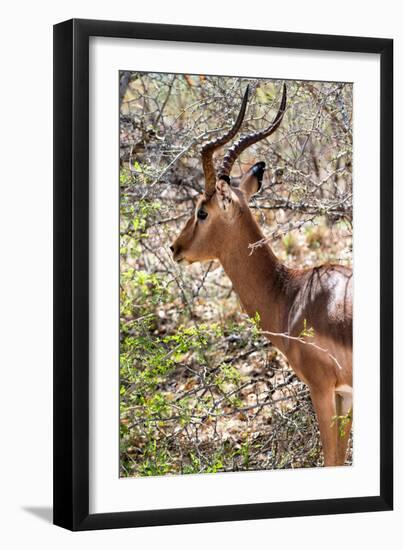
[224, 195]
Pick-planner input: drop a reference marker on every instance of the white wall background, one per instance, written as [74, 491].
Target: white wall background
[26, 280]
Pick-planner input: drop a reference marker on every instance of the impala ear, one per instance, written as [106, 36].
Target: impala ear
[252, 180]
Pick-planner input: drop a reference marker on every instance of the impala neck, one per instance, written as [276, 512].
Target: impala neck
[261, 281]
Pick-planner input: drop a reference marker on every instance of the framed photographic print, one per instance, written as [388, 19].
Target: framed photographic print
[214, 191]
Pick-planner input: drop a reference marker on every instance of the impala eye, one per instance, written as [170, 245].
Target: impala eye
[202, 214]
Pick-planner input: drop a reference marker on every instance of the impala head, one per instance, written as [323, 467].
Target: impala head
[221, 209]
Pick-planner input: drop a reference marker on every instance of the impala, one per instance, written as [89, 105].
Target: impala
[284, 300]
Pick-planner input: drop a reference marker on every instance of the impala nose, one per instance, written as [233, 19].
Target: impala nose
[175, 249]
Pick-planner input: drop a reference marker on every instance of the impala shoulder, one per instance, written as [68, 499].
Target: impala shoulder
[323, 297]
[328, 278]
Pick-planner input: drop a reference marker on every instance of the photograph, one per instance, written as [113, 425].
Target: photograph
[236, 273]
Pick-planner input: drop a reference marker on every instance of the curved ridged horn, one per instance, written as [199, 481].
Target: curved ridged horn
[246, 141]
[208, 150]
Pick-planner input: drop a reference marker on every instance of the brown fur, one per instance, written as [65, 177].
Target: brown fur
[283, 298]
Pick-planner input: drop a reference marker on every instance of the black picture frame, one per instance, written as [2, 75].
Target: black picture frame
[71, 274]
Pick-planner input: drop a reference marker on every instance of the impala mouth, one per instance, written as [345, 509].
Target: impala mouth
[183, 261]
[177, 259]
